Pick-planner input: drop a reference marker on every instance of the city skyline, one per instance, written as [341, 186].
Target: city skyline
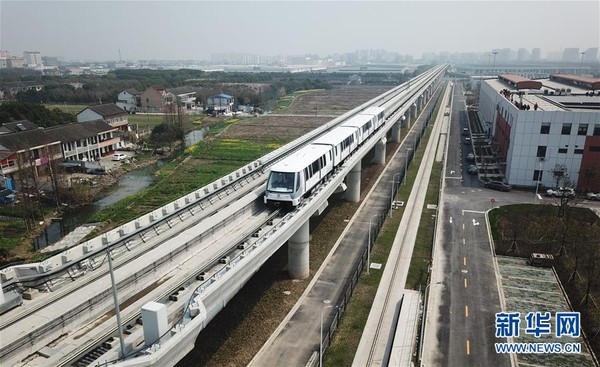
[90, 30]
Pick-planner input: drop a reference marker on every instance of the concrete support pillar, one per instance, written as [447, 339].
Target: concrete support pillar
[353, 183]
[421, 102]
[396, 130]
[413, 111]
[406, 119]
[298, 253]
[380, 152]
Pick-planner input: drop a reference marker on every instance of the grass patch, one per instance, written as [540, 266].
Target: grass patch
[69, 108]
[418, 272]
[144, 121]
[12, 234]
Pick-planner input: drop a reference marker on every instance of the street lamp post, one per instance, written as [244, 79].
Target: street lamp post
[406, 165]
[393, 190]
[494, 66]
[537, 186]
[369, 244]
[325, 302]
[116, 301]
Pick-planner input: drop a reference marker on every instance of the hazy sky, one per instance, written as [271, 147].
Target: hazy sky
[96, 30]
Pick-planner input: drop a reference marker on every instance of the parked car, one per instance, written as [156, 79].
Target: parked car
[561, 192]
[96, 171]
[472, 170]
[593, 196]
[467, 141]
[498, 185]
[470, 157]
[465, 131]
[119, 157]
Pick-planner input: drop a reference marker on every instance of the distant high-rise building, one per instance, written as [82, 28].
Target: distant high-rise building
[50, 60]
[32, 58]
[536, 54]
[571, 54]
[591, 55]
[522, 55]
[4, 54]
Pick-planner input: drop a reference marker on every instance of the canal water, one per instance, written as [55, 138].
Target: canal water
[129, 184]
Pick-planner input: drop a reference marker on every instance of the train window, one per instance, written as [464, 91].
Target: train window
[306, 174]
[297, 181]
[281, 182]
[315, 166]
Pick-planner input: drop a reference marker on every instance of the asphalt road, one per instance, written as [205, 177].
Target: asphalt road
[464, 294]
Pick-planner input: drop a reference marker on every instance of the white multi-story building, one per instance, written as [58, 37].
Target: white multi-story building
[33, 59]
[538, 125]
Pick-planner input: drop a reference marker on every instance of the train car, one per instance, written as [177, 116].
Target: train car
[295, 176]
[378, 113]
[342, 140]
[364, 124]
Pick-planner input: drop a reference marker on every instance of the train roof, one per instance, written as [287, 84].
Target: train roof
[335, 136]
[358, 120]
[372, 111]
[301, 159]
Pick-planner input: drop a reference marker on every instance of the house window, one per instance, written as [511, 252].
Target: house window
[562, 150]
[545, 129]
[578, 151]
[595, 148]
[537, 174]
[596, 130]
[582, 129]
[541, 151]
[566, 129]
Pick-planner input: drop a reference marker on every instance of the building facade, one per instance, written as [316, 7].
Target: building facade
[541, 126]
[129, 100]
[109, 112]
[156, 99]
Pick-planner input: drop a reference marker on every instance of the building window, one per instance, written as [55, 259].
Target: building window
[596, 130]
[545, 128]
[566, 129]
[537, 174]
[578, 151]
[541, 151]
[595, 148]
[582, 129]
[562, 150]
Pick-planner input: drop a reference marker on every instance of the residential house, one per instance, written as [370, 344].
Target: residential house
[156, 99]
[86, 141]
[221, 103]
[33, 149]
[27, 154]
[17, 126]
[12, 88]
[129, 100]
[186, 97]
[109, 112]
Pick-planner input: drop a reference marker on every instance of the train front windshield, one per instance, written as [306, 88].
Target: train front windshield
[281, 182]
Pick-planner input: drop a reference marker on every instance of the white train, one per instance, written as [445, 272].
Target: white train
[293, 178]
